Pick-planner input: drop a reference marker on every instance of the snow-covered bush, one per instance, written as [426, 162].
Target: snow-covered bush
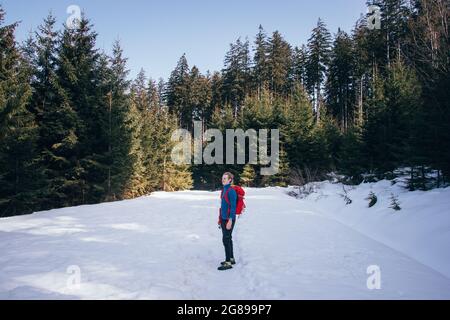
[395, 204]
[301, 192]
[345, 196]
[372, 199]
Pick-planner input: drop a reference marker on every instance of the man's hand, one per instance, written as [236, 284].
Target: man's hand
[229, 224]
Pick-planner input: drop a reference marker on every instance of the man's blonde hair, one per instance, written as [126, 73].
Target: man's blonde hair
[229, 175]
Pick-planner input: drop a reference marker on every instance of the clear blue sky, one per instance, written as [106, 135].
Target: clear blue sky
[154, 34]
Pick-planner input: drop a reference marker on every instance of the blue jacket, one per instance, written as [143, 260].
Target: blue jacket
[232, 197]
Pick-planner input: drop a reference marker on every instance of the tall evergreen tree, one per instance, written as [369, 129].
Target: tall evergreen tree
[236, 75]
[392, 110]
[216, 93]
[394, 19]
[56, 119]
[200, 94]
[18, 130]
[298, 68]
[153, 94]
[339, 90]
[120, 160]
[428, 52]
[260, 60]
[80, 72]
[145, 176]
[299, 131]
[177, 93]
[279, 63]
[362, 69]
[318, 59]
[161, 93]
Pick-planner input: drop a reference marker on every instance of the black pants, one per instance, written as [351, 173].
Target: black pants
[227, 239]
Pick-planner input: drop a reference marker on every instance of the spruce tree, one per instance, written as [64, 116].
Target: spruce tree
[298, 69]
[119, 124]
[298, 131]
[247, 176]
[428, 47]
[340, 94]
[199, 97]
[177, 93]
[236, 75]
[350, 158]
[19, 189]
[80, 71]
[145, 176]
[57, 120]
[317, 63]
[279, 64]
[260, 71]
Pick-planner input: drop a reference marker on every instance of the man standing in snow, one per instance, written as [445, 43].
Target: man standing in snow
[227, 219]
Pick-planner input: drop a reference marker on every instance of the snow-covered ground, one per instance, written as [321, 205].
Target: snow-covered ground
[168, 246]
[421, 229]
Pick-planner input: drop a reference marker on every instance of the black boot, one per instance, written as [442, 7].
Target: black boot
[226, 266]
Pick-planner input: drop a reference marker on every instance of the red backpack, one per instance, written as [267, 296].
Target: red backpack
[240, 205]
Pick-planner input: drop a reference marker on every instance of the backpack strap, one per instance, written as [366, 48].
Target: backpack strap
[226, 196]
[227, 200]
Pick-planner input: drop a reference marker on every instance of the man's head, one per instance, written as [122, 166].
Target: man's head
[227, 178]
